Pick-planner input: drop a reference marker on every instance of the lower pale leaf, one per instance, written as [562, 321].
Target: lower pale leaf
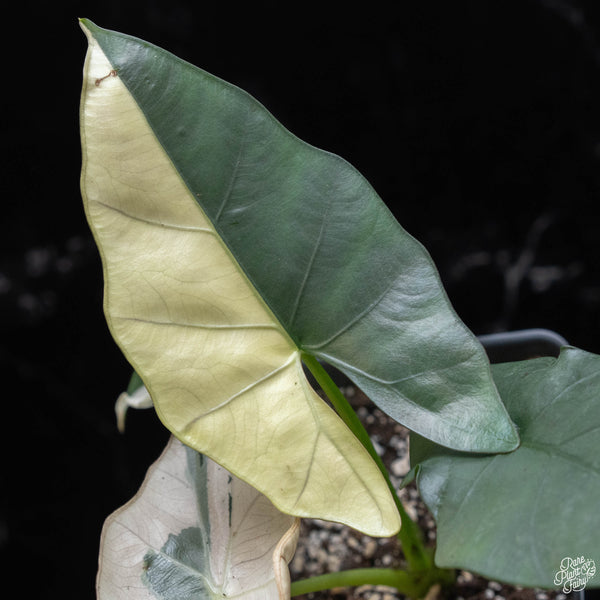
[195, 531]
[515, 517]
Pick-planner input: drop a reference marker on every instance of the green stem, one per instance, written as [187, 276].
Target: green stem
[412, 585]
[396, 578]
[410, 535]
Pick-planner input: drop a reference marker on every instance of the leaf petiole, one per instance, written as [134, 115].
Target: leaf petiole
[410, 535]
[412, 585]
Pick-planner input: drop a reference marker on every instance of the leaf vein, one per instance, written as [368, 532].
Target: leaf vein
[353, 321]
[556, 452]
[309, 267]
[335, 361]
[210, 326]
[233, 178]
[241, 392]
[565, 391]
[157, 223]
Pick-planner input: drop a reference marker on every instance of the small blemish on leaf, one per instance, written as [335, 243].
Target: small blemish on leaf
[230, 508]
[111, 73]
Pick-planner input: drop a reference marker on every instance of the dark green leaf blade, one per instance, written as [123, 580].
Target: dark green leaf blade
[347, 283]
[514, 517]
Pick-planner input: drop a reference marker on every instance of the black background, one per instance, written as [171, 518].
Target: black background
[477, 122]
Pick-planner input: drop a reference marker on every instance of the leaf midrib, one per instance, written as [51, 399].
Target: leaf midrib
[198, 574]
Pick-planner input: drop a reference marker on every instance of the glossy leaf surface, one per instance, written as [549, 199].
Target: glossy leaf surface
[514, 517]
[224, 375]
[229, 248]
[194, 530]
[345, 281]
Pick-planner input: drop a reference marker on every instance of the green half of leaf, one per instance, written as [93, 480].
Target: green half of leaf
[515, 517]
[195, 531]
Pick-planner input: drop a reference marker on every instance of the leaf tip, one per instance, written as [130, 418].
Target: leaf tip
[87, 26]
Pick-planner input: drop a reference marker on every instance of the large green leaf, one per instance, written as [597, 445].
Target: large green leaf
[515, 517]
[229, 248]
[195, 531]
[224, 375]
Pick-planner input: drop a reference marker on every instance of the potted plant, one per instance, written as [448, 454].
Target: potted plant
[235, 257]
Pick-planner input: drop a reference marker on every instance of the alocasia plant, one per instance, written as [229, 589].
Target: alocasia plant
[235, 255]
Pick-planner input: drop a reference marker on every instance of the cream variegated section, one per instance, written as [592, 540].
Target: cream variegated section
[225, 377]
[282, 557]
[244, 543]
